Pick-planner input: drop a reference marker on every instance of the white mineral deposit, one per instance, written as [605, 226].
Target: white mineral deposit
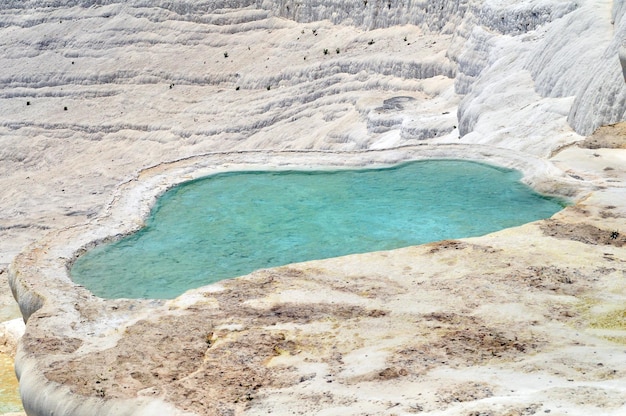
[105, 104]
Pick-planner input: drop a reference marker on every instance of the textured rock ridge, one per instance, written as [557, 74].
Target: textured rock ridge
[234, 346]
[575, 57]
[571, 53]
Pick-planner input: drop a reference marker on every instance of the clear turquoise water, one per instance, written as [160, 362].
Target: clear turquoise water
[231, 224]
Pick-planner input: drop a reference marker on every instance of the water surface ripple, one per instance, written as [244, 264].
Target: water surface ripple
[231, 224]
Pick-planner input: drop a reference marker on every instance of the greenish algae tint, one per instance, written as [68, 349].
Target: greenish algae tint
[231, 224]
[9, 390]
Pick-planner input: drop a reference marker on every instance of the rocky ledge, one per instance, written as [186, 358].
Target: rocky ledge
[525, 320]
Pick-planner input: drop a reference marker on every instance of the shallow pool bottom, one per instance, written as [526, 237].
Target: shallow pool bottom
[231, 224]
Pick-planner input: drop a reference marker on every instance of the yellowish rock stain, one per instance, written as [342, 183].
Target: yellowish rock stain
[614, 320]
[611, 320]
[9, 392]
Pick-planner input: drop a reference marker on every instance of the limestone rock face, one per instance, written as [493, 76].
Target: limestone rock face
[10, 332]
[574, 56]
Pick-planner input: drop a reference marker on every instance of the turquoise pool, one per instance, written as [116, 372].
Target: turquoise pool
[231, 224]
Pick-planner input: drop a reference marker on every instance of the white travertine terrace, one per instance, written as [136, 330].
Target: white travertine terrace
[105, 104]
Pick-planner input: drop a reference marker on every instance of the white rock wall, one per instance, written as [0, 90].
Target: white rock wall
[569, 47]
[437, 15]
[601, 98]
[573, 51]
[571, 64]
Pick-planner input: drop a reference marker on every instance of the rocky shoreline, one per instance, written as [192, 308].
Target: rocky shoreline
[283, 328]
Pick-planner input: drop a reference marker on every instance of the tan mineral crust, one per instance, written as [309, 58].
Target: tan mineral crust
[526, 321]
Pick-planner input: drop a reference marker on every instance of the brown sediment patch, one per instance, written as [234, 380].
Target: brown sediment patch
[197, 366]
[612, 136]
[50, 344]
[446, 245]
[367, 286]
[598, 400]
[558, 279]
[303, 313]
[181, 364]
[450, 246]
[458, 341]
[583, 232]
[529, 410]
[608, 212]
[467, 340]
[465, 392]
[232, 303]
[371, 287]
[171, 349]
[232, 372]
[392, 372]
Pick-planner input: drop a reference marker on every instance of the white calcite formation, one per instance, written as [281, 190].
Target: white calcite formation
[105, 104]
